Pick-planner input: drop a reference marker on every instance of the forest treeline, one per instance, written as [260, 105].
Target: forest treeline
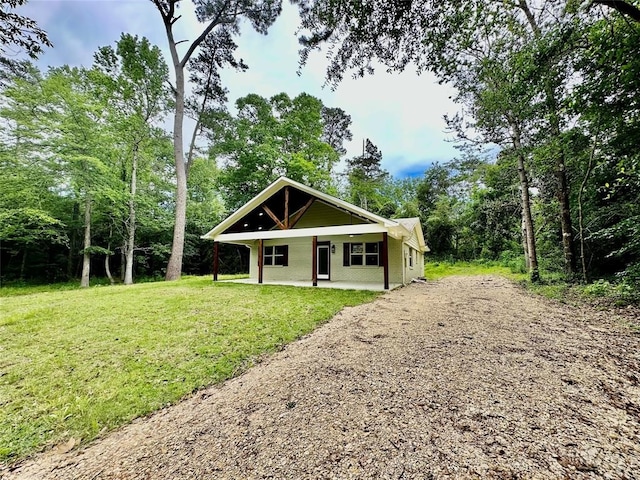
[547, 180]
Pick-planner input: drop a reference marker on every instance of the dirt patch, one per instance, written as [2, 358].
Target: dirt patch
[467, 377]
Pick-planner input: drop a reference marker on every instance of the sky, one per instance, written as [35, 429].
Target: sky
[402, 113]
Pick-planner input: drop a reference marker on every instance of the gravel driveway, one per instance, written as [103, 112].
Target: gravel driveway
[467, 377]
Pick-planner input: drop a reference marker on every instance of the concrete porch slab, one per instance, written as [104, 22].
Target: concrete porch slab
[372, 286]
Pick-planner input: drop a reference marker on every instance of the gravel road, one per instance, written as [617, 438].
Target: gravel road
[467, 377]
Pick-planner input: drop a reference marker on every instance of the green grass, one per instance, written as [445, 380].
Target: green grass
[436, 270]
[12, 289]
[75, 363]
[552, 285]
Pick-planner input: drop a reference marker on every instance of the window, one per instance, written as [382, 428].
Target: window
[356, 254]
[410, 257]
[371, 254]
[276, 255]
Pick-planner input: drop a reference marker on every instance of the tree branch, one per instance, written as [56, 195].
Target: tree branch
[621, 6]
[215, 21]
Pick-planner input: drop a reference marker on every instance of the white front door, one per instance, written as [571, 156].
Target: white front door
[324, 258]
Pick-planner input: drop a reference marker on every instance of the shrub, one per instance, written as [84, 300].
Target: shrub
[599, 288]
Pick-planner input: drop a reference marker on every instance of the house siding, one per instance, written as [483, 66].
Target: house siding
[412, 241]
[322, 215]
[299, 267]
[300, 261]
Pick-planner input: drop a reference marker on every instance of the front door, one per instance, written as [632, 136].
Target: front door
[324, 258]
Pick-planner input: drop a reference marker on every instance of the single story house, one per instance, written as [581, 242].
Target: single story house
[298, 234]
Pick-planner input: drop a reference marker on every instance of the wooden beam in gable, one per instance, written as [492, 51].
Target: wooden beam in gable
[286, 208]
[274, 218]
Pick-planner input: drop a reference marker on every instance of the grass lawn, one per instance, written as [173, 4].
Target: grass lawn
[76, 363]
[436, 270]
[552, 285]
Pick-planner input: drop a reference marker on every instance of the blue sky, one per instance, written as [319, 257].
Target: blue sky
[400, 113]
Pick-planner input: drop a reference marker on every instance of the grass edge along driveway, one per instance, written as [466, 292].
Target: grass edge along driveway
[77, 363]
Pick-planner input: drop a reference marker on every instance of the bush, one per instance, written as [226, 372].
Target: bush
[514, 261]
[631, 276]
[623, 292]
[599, 288]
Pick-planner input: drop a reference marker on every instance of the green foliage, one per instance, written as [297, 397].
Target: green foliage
[77, 363]
[19, 31]
[556, 91]
[366, 179]
[29, 226]
[398, 198]
[599, 288]
[336, 123]
[554, 84]
[269, 138]
[71, 141]
[133, 78]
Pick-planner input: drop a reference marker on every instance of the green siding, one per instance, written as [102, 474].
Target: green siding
[322, 215]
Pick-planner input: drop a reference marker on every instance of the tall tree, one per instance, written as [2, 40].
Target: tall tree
[134, 76]
[607, 105]
[83, 143]
[336, 129]
[216, 15]
[270, 138]
[503, 107]
[452, 39]
[366, 177]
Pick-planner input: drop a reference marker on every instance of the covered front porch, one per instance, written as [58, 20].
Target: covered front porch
[348, 255]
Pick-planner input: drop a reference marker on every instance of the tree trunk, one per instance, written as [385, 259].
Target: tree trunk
[86, 256]
[107, 268]
[123, 260]
[23, 264]
[167, 11]
[565, 218]
[583, 261]
[534, 272]
[73, 243]
[528, 220]
[131, 224]
[562, 186]
[174, 268]
[527, 262]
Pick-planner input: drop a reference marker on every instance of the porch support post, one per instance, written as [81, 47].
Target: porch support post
[385, 259]
[216, 260]
[314, 261]
[260, 259]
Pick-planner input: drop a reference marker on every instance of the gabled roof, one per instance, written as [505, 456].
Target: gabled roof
[228, 227]
[412, 224]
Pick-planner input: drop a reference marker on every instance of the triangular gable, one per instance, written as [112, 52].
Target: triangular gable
[254, 217]
[413, 225]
